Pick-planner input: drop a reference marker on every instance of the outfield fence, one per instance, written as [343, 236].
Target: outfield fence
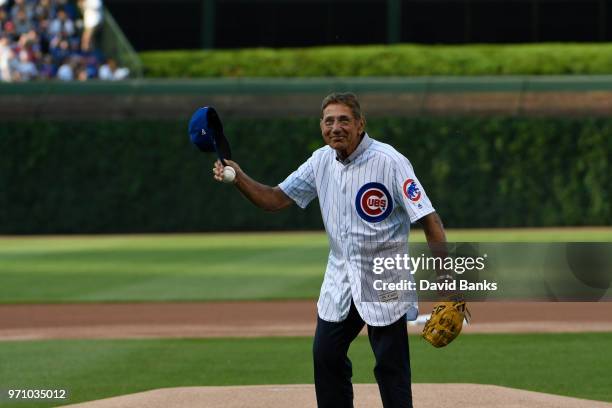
[145, 176]
[555, 96]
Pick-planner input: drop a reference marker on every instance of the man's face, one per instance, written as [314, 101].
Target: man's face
[341, 131]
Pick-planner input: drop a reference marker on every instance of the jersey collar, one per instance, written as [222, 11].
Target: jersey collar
[361, 147]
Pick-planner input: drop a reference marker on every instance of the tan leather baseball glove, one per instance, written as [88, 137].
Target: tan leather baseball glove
[446, 321]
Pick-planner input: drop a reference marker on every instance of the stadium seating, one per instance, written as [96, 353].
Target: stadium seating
[53, 39]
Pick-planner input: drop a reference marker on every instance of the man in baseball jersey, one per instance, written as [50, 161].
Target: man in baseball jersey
[369, 196]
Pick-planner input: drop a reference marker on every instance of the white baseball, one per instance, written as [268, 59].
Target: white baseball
[229, 174]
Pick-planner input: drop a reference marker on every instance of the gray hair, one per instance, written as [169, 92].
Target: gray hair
[348, 99]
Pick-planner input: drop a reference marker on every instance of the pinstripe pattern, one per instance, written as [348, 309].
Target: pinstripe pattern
[353, 240]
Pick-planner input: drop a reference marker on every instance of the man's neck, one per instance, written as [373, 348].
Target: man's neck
[344, 154]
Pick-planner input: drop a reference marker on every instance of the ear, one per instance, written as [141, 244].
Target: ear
[362, 124]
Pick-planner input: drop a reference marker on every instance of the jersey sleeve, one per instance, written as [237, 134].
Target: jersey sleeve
[410, 191]
[300, 185]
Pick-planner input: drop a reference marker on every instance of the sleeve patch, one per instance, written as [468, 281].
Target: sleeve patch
[411, 190]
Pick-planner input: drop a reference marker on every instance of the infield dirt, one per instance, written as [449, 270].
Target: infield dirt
[262, 319]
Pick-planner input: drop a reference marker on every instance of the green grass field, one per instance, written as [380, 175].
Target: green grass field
[194, 267]
[564, 364]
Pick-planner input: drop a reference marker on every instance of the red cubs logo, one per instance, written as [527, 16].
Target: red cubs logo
[373, 202]
[411, 190]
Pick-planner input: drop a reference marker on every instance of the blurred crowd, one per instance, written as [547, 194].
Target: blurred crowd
[53, 39]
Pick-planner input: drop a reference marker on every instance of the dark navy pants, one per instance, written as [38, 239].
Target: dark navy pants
[333, 369]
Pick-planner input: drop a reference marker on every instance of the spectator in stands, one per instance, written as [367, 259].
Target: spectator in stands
[22, 23]
[60, 49]
[44, 10]
[69, 8]
[29, 42]
[62, 24]
[66, 70]
[110, 71]
[9, 30]
[79, 68]
[21, 6]
[25, 68]
[7, 62]
[91, 64]
[42, 29]
[81, 74]
[3, 19]
[48, 69]
[92, 21]
[46, 39]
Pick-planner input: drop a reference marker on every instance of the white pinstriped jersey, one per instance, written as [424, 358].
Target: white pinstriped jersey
[366, 200]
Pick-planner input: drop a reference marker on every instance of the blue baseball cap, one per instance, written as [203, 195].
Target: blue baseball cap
[206, 132]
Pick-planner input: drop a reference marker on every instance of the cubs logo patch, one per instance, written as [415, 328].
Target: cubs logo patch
[373, 202]
[411, 190]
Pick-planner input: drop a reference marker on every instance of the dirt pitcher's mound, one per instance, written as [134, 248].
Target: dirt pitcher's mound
[366, 395]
